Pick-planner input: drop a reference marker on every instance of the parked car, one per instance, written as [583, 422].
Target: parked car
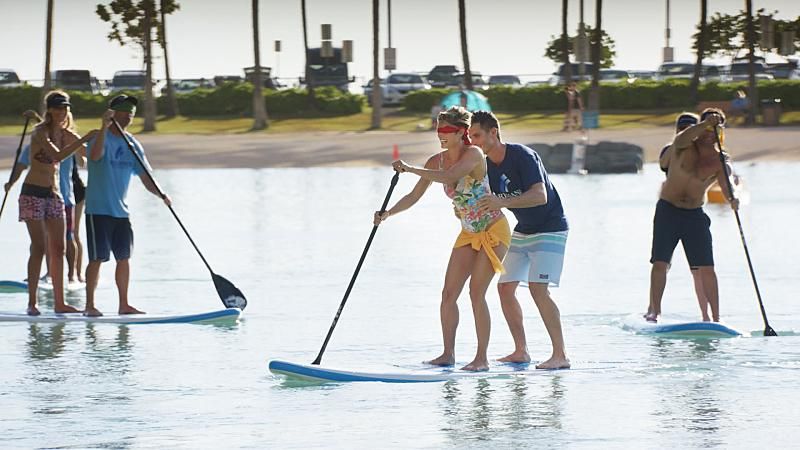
[505, 80]
[9, 79]
[442, 76]
[75, 80]
[559, 77]
[396, 86]
[739, 71]
[785, 71]
[615, 76]
[219, 80]
[672, 70]
[643, 74]
[128, 80]
[188, 85]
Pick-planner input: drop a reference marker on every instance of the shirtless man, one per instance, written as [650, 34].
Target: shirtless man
[694, 165]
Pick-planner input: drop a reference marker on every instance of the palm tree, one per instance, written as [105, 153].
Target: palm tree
[149, 100]
[173, 101]
[48, 81]
[752, 93]
[462, 22]
[376, 80]
[259, 108]
[565, 42]
[701, 45]
[312, 101]
[597, 48]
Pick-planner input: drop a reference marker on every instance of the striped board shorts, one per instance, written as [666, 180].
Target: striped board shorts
[535, 258]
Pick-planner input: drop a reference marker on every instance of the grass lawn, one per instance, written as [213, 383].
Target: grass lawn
[393, 120]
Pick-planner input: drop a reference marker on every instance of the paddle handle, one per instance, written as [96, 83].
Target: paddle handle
[355, 274]
[160, 192]
[16, 158]
[768, 331]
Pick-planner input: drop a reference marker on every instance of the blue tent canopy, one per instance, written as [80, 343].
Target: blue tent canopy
[475, 101]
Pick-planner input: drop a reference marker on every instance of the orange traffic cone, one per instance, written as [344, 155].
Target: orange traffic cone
[395, 153]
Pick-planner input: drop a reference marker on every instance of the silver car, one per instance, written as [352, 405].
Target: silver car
[396, 86]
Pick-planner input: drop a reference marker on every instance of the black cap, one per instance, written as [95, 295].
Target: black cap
[57, 100]
[123, 102]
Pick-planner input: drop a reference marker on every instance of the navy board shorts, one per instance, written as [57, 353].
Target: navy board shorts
[106, 234]
[692, 227]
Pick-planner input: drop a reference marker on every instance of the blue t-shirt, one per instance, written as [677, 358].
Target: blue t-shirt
[109, 177]
[520, 169]
[64, 175]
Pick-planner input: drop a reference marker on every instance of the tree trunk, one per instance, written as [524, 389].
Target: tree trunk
[48, 79]
[752, 89]
[376, 80]
[462, 22]
[173, 110]
[312, 99]
[259, 107]
[701, 45]
[565, 43]
[597, 48]
[149, 100]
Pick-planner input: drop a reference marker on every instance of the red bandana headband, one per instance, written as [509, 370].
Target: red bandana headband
[451, 129]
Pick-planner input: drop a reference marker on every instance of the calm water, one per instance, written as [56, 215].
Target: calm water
[290, 239]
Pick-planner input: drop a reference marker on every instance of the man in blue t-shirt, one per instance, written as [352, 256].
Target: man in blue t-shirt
[108, 229]
[520, 183]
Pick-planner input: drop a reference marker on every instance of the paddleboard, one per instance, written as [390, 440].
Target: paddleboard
[318, 374]
[229, 315]
[21, 287]
[671, 328]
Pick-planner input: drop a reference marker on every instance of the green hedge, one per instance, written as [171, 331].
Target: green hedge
[231, 99]
[641, 95]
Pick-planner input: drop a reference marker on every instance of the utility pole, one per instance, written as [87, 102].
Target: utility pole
[668, 54]
[582, 40]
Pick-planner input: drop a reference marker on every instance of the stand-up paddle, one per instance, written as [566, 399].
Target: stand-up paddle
[16, 158]
[355, 274]
[231, 296]
[768, 331]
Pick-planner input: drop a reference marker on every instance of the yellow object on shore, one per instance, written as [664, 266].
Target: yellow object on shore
[717, 195]
[497, 233]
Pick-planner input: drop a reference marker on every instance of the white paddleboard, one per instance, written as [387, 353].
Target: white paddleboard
[675, 328]
[319, 374]
[230, 315]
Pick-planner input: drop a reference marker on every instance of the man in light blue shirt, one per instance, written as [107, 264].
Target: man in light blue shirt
[108, 229]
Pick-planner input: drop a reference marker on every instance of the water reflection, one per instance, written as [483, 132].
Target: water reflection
[688, 393]
[478, 409]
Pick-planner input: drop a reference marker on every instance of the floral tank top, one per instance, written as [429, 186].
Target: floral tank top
[465, 198]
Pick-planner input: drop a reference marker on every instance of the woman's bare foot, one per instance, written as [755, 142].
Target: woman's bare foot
[32, 311]
[66, 309]
[129, 310]
[554, 363]
[92, 312]
[516, 357]
[651, 317]
[443, 360]
[477, 366]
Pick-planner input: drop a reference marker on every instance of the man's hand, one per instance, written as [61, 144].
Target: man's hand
[734, 204]
[490, 203]
[167, 200]
[711, 121]
[105, 121]
[7, 187]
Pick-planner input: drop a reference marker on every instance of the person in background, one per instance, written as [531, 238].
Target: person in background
[573, 118]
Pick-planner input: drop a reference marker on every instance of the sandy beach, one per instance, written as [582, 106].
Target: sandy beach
[374, 148]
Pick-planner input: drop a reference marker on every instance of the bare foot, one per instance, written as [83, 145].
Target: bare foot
[92, 312]
[66, 309]
[129, 310]
[442, 360]
[651, 317]
[32, 311]
[516, 357]
[477, 366]
[554, 363]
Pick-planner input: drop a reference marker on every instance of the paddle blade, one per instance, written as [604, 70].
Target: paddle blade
[231, 296]
[769, 331]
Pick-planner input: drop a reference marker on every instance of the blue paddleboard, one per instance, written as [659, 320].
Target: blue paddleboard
[13, 287]
[21, 287]
[229, 315]
[314, 373]
[679, 329]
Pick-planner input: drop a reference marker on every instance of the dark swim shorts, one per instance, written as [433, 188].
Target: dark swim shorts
[692, 227]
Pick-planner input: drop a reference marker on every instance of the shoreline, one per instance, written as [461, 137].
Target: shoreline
[374, 148]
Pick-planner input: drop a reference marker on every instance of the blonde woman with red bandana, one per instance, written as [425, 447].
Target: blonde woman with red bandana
[485, 236]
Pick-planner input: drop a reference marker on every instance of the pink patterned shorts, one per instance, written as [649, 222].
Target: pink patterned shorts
[39, 208]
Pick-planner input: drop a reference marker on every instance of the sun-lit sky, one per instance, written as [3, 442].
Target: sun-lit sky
[214, 37]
